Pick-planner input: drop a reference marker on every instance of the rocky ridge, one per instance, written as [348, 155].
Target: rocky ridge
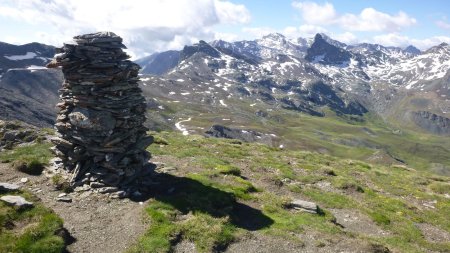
[308, 75]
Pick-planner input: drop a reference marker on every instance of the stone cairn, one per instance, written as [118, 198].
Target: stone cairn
[100, 138]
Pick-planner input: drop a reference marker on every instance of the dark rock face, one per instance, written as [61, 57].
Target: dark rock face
[321, 94]
[431, 122]
[219, 131]
[323, 52]
[40, 84]
[101, 138]
[201, 46]
[413, 50]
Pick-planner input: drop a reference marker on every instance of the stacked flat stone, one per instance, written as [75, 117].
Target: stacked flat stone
[100, 139]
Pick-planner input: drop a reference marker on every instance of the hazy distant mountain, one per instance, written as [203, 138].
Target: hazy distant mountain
[413, 50]
[159, 63]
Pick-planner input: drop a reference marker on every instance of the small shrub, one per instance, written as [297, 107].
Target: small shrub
[208, 233]
[228, 170]
[380, 218]
[33, 167]
[61, 184]
[329, 172]
[40, 139]
[57, 179]
[160, 140]
[350, 186]
[295, 188]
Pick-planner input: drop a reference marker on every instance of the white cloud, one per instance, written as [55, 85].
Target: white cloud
[394, 39]
[258, 31]
[372, 20]
[310, 30]
[232, 13]
[443, 23]
[226, 36]
[368, 20]
[316, 14]
[347, 38]
[145, 25]
[303, 31]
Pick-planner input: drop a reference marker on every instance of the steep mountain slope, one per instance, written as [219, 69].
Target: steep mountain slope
[305, 75]
[323, 52]
[30, 95]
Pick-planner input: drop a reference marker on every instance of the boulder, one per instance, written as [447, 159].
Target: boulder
[18, 201]
[306, 206]
[220, 131]
[7, 187]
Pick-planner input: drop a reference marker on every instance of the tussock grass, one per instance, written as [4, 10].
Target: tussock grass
[29, 159]
[30, 230]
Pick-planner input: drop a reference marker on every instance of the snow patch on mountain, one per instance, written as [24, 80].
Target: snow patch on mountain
[28, 55]
[182, 128]
[223, 103]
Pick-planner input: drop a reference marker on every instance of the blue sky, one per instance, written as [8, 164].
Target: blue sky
[156, 25]
[280, 14]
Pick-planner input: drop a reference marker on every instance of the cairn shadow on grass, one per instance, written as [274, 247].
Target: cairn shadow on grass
[188, 195]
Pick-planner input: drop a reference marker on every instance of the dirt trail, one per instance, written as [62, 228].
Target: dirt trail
[98, 224]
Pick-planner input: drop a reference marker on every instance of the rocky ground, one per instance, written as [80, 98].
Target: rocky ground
[204, 186]
[96, 223]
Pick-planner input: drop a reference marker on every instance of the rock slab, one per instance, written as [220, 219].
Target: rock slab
[18, 201]
[7, 187]
[306, 206]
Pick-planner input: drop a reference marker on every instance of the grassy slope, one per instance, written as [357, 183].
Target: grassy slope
[220, 177]
[332, 135]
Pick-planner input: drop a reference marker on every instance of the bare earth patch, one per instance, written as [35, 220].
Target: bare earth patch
[433, 234]
[354, 221]
[184, 246]
[308, 242]
[257, 243]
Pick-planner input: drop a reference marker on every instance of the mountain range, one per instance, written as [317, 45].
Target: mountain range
[365, 101]
[404, 85]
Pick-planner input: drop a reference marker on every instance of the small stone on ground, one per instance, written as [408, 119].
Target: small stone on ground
[7, 187]
[303, 205]
[18, 201]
